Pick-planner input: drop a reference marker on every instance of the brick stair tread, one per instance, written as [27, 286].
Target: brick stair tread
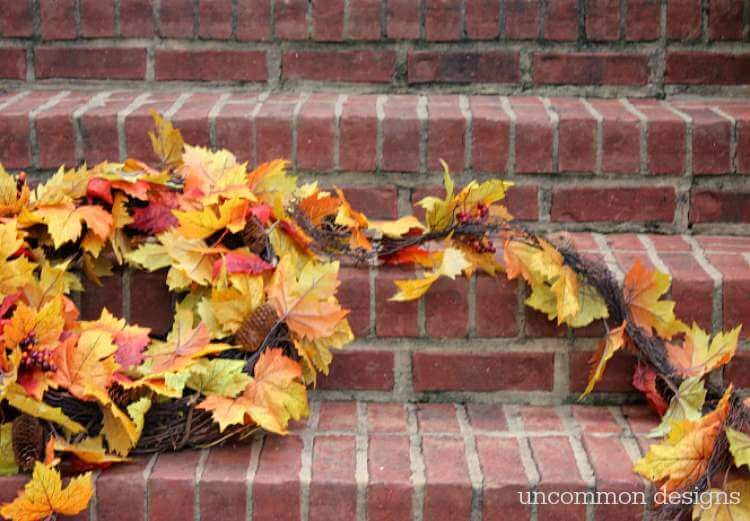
[678, 158]
[391, 461]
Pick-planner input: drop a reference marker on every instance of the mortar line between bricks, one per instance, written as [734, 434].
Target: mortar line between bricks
[198, 476]
[465, 108]
[472, 462]
[97, 100]
[732, 137]
[529, 464]
[177, 105]
[417, 463]
[33, 142]
[642, 135]
[94, 503]
[423, 118]
[717, 308]
[688, 136]
[117, 21]
[633, 450]
[256, 450]
[653, 254]
[254, 129]
[598, 139]
[122, 140]
[146, 486]
[338, 110]
[609, 256]
[505, 104]
[379, 133]
[361, 472]
[554, 119]
[582, 459]
[507, 435]
[472, 306]
[303, 96]
[15, 97]
[212, 115]
[305, 472]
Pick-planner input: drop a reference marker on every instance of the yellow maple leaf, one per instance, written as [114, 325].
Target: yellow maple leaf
[19, 399]
[192, 257]
[211, 176]
[642, 290]
[681, 459]
[89, 450]
[739, 446]
[85, 367]
[167, 141]
[316, 354]
[396, 229]
[697, 357]
[44, 496]
[566, 289]
[65, 221]
[45, 325]
[731, 510]
[199, 224]
[613, 342]
[452, 263]
[11, 199]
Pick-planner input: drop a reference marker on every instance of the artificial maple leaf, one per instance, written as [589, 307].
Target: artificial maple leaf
[452, 262]
[686, 404]
[318, 205]
[642, 289]
[697, 357]
[44, 496]
[306, 301]
[566, 290]
[19, 399]
[192, 257]
[64, 221]
[184, 345]
[226, 309]
[122, 430]
[355, 221]
[211, 176]
[167, 141]
[316, 354]
[739, 446]
[396, 229]
[86, 364]
[130, 340]
[644, 379]
[98, 188]
[271, 182]
[519, 261]
[409, 255]
[8, 465]
[725, 510]
[218, 377]
[239, 261]
[89, 450]
[12, 200]
[439, 212]
[199, 224]
[157, 216]
[681, 459]
[45, 325]
[613, 342]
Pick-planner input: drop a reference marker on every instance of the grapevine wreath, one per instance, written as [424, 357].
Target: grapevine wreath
[249, 256]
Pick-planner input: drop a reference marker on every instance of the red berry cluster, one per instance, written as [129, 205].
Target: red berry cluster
[34, 357]
[478, 215]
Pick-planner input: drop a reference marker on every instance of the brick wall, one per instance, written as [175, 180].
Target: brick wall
[643, 47]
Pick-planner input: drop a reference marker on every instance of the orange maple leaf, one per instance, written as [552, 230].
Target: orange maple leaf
[642, 289]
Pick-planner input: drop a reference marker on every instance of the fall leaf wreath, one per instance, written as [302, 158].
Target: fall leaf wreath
[249, 255]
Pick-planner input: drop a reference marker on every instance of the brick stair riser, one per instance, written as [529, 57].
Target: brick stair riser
[646, 47]
[475, 339]
[394, 462]
[577, 163]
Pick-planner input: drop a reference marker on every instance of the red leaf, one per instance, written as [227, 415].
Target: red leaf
[408, 255]
[99, 188]
[157, 217]
[239, 262]
[644, 379]
[262, 212]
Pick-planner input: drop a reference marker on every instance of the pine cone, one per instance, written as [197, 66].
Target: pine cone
[123, 397]
[256, 327]
[254, 236]
[28, 441]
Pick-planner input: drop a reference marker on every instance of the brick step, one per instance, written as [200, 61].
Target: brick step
[578, 163]
[647, 47]
[394, 462]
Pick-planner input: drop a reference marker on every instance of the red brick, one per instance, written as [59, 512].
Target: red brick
[533, 136]
[712, 136]
[447, 488]
[614, 204]
[386, 417]
[683, 19]
[273, 128]
[358, 134]
[16, 20]
[316, 133]
[278, 476]
[365, 66]
[116, 490]
[291, 19]
[379, 202]
[328, 20]
[577, 136]
[136, 18]
[504, 478]
[442, 20]
[171, 486]
[446, 133]
[541, 419]
[595, 419]
[710, 205]
[463, 67]
[176, 19]
[192, 118]
[95, 298]
[437, 418]
[56, 132]
[57, 19]
[389, 486]
[90, 63]
[447, 308]
[393, 318]
[561, 21]
[482, 19]
[617, 378]
[723, 244]
[603, 20]
[707, 68]
[621, 137]
[254, 20]
[487, 416]
[14, 129]
[490, 134]
[223, 489]
[403, 19]
[735, 271]
[99, 129]
[97, 18]
[539, 326]
[692, 288]
[665, 139]
[151, 301]
[338, 416]
[360, 371]
[401, 130]
[670, 244]
[558, 472]
[208, 65]
[738, 370]
[354, 295]
[364, 20]
[643, 20]
[215, 19]
[741, 114]
[585, 68]
[333, 491]
[522, 19]
[496, 306]
[12, 63]
[725, 20]
[460, 371]
[641, 419]
[523, 202]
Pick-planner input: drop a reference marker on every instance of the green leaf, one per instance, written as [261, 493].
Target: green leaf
[739, 446]
[8, 465]
[687, 404]
[219, 377]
